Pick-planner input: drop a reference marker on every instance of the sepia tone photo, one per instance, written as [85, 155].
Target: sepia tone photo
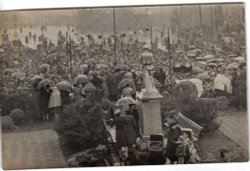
[123, 86]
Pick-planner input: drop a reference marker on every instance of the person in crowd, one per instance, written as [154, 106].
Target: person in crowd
[160, 75]
[182, 149]
[172, 136]
[44, 102]
[79, 94]
[130, 128]
[26, 39]
[34, 37]
[65, 95]
[112, 81]
[94, 79]
[233, 73]
[241, 88]
[130, 77]
[222, 84]
[119, 75]
[105, 89]
[112, 87]
[1, 110]
[55, 102]
[127, 91]
[119, 122]
[191, 154]
[97, 82]
[133, 112]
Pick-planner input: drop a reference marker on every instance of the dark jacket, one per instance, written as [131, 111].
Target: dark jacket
[44, 100]
[135, 114]
[112, 84]
[130, 129]
[173, 136]
[160, 76]
[119, 122]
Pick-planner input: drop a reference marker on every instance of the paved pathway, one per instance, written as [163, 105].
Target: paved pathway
[34, 149]
[234, 124]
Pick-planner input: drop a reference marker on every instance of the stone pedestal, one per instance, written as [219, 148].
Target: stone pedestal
[150, 113]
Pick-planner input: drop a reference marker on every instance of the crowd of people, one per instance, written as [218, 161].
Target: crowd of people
[219, 65]
[69, 69]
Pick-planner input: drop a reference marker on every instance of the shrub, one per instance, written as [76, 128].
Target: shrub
[81, 127]
[200, 110]
[18, 116]
[184, 91]
[7, 123]
[5, 105]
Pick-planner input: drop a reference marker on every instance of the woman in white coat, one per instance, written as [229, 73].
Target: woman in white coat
[55, 102]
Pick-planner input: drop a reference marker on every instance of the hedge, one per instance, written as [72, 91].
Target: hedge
[26, 101]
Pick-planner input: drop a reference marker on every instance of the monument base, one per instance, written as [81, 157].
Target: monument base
[150, 113]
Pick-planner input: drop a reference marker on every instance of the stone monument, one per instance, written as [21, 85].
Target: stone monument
[149, 100]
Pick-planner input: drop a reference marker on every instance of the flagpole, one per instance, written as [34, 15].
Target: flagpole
[70, 56]
[170, 60]
[151, 37]
[68, 52]
[200, 16]
[114, 29]
[150, 30]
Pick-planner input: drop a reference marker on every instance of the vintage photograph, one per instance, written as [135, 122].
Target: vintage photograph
[123, 86]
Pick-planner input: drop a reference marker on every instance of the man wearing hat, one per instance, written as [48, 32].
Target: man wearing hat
[133, 112]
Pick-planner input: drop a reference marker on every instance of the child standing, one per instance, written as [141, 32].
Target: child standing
[182, 149]
[193, 156]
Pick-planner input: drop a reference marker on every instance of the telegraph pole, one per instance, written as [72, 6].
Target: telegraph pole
[114, 29]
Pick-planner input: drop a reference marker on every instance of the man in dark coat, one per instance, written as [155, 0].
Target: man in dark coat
[241, 89]
[133, 112]
[111, 86]
[118, 77]
[172, 136]
[160, 76]
[130, 129]
[96, 81]
[112, 82]
[119, 122]
[44, 101]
